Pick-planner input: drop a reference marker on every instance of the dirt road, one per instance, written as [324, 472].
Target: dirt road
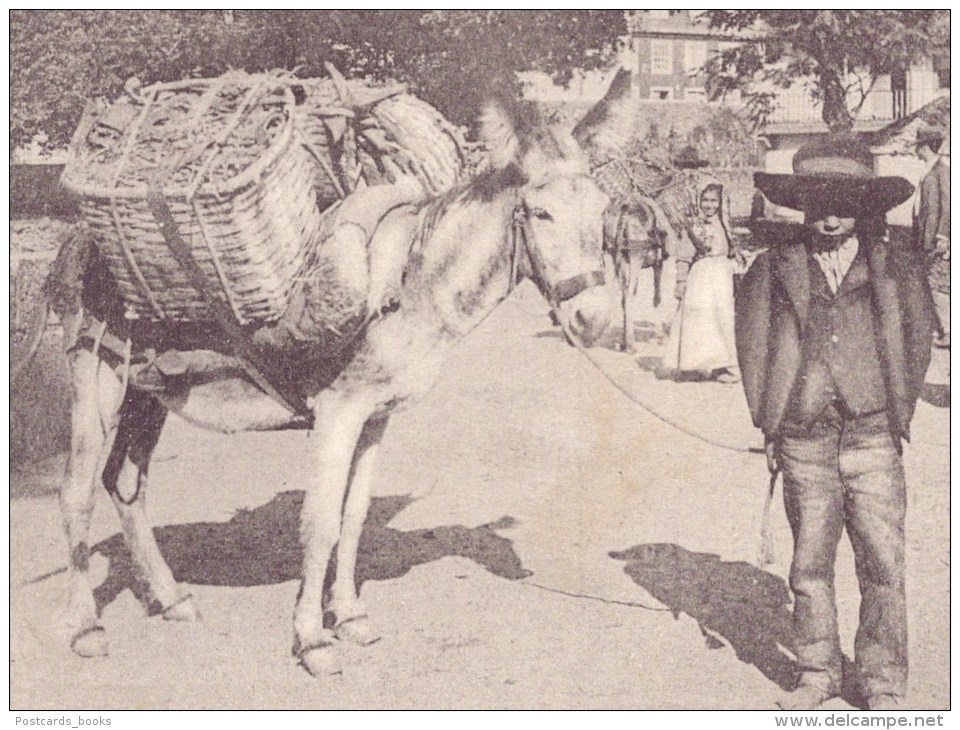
[537, 541]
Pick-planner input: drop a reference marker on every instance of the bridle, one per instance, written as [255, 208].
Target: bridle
[556, 294]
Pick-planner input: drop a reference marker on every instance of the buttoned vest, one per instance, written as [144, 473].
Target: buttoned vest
[840, 357]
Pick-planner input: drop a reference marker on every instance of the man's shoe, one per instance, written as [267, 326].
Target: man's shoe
[804, 698]
[886, 703]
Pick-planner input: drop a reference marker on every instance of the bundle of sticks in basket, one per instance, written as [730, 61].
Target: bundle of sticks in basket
[363, 134]
[223, 156]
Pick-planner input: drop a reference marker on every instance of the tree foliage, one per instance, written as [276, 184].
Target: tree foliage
[840, 52]
[59, 59]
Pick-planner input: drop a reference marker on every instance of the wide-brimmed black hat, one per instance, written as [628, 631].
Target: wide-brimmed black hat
[834, 175]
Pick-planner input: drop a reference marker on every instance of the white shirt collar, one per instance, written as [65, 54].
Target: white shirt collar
[836, 263]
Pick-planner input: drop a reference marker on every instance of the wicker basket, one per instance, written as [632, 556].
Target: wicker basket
[364, 135]
[249, 232]
[676, 191]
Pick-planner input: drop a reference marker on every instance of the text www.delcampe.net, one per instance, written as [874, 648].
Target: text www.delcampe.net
[852, 720]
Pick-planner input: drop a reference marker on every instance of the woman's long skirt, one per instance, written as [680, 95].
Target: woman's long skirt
[702, 337]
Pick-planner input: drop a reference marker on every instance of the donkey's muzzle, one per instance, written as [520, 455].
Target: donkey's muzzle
[588, 315]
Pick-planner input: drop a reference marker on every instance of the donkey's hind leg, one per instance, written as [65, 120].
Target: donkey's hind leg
[95, 401]
[351, 622]
[125, 478]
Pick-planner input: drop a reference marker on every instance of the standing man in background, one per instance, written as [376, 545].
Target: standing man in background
[931, 220]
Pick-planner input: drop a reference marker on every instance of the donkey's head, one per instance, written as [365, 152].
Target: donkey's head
[558, 217]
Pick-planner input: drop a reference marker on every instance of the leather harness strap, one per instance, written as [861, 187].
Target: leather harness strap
[562, 290]
[270, 379]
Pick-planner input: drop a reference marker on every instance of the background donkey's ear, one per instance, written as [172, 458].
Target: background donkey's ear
[609, 125]
[498, 130]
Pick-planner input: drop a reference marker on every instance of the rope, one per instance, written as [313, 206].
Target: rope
[654, 412]
[659, 416]
[519, 229]
[591, 597]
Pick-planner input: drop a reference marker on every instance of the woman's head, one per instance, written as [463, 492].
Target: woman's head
[710, 198]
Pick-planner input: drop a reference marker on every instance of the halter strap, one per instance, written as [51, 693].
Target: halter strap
[562, 290]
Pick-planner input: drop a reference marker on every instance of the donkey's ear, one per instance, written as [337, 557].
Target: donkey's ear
[609, 124]
[498, 130]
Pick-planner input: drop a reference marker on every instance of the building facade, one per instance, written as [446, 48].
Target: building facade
[667, 49]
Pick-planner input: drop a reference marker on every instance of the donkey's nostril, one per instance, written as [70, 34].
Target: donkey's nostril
[588, 323]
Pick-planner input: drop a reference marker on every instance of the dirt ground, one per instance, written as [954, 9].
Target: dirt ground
[538, 540]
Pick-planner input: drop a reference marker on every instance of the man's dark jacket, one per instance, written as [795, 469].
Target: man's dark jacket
[800, 346]
[933, 217]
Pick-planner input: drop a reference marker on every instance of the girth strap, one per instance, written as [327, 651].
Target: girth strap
[273, 381]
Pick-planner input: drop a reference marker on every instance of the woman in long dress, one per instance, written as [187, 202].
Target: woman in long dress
[702, 339]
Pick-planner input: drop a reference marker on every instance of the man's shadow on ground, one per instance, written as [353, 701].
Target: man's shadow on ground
[262, 547]
[734, 603]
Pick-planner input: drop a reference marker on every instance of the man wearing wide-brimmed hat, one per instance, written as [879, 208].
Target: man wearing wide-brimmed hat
[834, 325]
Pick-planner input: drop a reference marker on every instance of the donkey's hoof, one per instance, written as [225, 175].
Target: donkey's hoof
[321, 660]
[183, 610]
[91, 642]
[357, 630]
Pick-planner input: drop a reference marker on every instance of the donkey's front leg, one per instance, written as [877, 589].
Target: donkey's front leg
[125, 477]
[351, 622]
[339, 420]
[95, 401]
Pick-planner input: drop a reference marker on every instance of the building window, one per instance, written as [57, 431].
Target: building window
[694, 56]
[661, 57]
[661, 93]
[699, 95]
[898, 85]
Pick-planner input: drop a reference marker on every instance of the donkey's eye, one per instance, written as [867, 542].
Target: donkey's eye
[541, 214]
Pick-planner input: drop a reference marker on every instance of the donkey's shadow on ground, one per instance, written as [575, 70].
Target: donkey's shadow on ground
[262, 547]
[734, 603]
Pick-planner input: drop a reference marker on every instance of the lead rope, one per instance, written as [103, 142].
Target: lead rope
[766, 551]
[520, 235]
[766, 554]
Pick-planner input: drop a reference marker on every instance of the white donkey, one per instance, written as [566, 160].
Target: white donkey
[535, 213]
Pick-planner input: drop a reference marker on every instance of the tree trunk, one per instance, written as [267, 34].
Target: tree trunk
[836, 114]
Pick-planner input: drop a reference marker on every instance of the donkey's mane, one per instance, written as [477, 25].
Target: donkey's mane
[483, 187]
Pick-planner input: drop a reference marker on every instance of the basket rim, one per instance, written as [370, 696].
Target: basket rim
[279, 145]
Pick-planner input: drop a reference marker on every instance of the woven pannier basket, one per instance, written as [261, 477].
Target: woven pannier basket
[246, 210]
[364, 135]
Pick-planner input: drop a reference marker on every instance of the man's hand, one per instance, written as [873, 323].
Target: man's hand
[943, 248]
[771, 448]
